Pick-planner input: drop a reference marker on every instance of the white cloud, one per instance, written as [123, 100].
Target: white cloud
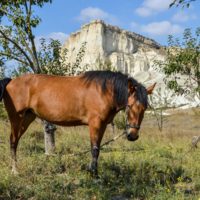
[157, 5]
[150, 7]
[144, 12]
[181, 16]
[62, 37]
[161, 28]
[91, 13]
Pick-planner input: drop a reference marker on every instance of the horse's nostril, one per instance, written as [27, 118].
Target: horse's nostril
[132, 139]
[129, 136]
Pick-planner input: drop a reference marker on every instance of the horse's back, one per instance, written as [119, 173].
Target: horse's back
[28, 89]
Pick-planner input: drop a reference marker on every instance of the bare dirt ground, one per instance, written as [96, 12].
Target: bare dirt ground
[180, 122]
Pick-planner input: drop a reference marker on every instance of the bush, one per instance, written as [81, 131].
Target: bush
[3, 112]
[120, 121]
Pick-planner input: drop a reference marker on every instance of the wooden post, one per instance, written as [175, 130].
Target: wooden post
[112, 127]
[49, 136]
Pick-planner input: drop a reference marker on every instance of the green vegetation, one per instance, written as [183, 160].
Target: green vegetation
[3, 112]
[18, 43]
[159, 104]
[140, 169]
[182, 59]
[104, 65]
[120, 121]
[18, 40]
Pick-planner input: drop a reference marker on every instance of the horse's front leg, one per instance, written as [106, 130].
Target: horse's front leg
[93, 163]
[97, 129]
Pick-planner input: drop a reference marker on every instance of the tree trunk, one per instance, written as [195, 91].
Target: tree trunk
[49, 136]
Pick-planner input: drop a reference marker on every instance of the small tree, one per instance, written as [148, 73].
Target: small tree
[104, 65]
[182, 59]
[53, 60]
[159, 103]
[120, 121]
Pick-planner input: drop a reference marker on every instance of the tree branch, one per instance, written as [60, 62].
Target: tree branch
[26, 8]
[33, 55]
[6, 12]
[22, 51]
[186, 2]
[22, 61]
[29, 6]
[180, 2]
[32, 40]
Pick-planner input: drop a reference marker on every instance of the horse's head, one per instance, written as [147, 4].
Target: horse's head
[135, 110]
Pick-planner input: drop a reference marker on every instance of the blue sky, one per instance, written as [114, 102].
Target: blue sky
[150, 18]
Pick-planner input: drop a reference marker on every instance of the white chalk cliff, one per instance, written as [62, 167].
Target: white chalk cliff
[128, 51]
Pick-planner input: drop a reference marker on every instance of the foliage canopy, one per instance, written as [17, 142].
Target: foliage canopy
[17, 42]
[182, 59]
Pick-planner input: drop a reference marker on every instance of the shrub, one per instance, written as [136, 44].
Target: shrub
[120, 121]
[3, 113]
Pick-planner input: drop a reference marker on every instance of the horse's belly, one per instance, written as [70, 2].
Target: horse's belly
[68, 123]
[62, 117]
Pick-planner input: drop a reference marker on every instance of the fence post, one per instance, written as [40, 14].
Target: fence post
[112, 127]
[49, 139]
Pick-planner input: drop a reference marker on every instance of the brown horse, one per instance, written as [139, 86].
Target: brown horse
[93, 99]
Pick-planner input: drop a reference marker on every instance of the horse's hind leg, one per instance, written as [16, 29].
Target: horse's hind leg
[96, 133]
[16, 123]
[18, 126]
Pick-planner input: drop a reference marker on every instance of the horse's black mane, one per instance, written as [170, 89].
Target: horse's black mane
[120, 83]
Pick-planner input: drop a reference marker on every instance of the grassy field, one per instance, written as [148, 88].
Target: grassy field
[128, 170]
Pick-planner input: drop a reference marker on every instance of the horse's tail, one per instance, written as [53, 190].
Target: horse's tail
[3, 83]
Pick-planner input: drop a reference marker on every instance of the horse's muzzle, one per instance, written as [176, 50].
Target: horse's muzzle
[132, 139]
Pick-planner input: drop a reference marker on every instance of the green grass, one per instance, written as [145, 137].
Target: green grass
[134, 170]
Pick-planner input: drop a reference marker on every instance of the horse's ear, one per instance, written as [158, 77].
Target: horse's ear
[131, 87]
[150, 89]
